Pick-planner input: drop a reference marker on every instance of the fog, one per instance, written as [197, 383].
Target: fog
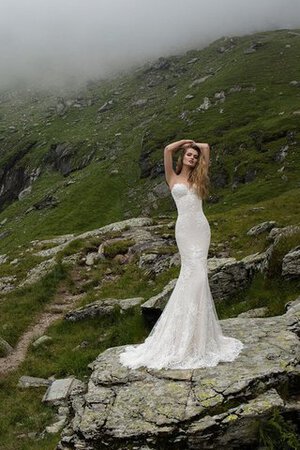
[65, 42]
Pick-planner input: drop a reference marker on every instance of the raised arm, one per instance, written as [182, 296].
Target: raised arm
[168, 157]
[205, 149]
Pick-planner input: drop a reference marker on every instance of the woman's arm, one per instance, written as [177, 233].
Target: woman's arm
[205, 150]
[168, 159]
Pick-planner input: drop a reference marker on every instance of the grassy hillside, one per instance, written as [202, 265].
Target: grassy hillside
[246, 132]
[109, 168]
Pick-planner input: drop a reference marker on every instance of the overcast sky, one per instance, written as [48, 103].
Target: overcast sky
[56, 42]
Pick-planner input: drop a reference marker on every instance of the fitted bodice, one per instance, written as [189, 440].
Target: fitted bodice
[186, 199]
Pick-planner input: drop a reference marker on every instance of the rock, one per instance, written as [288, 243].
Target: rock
[7, 283]
[294, 83]
[14, 261]
[192, 61]
[153, 307]
[102, 308]
[56, 427]
[199, 81]
[65, 157]
[226, 277]
[220, 96]
[49, 201]
[38, 272]
[64, 240]
[5, 348]
[277, 233]
[212, 407]
[205, 105]
[92, 257]
[106, 106]
[253, 47]
[257, 312]
[59, 390]
[282, 153]
[261, 228]
[291, 263]
[27, 382]
[140, 103]
[41, 340]
[236, 88]
[24, 192]
[3, 258]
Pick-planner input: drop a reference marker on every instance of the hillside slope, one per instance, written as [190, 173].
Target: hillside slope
[64, 157]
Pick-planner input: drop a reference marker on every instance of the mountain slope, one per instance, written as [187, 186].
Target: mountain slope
[98, 152]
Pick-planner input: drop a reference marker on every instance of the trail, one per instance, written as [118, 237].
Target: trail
[55, 310]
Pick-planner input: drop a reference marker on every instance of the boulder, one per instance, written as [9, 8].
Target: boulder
[212, 407]
[102, 308]
[261, 228]
[291, 263]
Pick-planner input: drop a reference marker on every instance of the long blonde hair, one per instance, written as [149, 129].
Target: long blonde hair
[199, 174]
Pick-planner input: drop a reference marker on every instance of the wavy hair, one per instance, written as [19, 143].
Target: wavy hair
[199, 174]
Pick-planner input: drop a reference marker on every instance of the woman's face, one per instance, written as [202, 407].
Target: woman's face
[190, 157]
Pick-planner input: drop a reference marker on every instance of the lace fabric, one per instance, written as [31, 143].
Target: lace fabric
[187, 334]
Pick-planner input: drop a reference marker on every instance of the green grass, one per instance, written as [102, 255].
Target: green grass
[20, 308]
[99, 197]
[272, 293]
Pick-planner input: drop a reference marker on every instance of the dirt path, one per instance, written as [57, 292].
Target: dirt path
[62, 303]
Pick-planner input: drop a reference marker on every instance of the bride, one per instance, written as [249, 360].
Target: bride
[188, 333]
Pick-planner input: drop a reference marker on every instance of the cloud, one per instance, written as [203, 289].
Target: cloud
[54, 42]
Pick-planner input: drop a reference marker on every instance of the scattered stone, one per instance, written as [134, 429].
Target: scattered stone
[5, 348]
[282, 153]
[199, 81]
[58, 390]
[261, 228]
[220, 96]
[7, 283]
[140, 103]
[92, 257]
[41, 340]
[106, 106]
[25, 192]
[205, 105]
[28, 382]
[192, 61]
[14, 261]
[3, 258]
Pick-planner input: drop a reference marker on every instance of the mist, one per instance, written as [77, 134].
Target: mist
[50, 43]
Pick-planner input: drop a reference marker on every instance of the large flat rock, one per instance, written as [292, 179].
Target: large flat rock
[192, 409]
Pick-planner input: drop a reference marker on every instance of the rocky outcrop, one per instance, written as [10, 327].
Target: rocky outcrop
[291, 264]
[226, 277]
[203, 408]
[261, 228]
[15, 176]
[64, 158]
[102, 308]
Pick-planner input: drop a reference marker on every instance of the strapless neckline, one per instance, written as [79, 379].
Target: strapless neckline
[184, 184]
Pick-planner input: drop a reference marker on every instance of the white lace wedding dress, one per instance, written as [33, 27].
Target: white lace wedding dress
[187, 334]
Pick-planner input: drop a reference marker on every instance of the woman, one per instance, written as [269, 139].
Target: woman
[187, 334]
